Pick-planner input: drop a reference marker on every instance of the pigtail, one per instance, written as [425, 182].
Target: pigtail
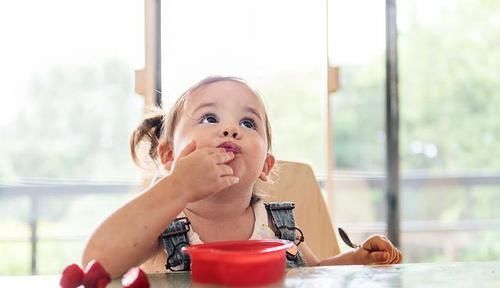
[146, 138]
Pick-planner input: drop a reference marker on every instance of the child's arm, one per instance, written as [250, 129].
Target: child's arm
[375, 250]
[129, 236]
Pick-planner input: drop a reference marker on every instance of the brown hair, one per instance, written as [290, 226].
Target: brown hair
[158, 126]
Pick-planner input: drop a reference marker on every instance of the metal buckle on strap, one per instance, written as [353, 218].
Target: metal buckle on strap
[185, 228]
[283, 206]
[291, 253]
[298, 238]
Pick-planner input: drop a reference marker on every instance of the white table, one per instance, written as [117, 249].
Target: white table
[457, 274]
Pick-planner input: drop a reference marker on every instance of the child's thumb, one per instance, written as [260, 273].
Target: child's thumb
[188, 149]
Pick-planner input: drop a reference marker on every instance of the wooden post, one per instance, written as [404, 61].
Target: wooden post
[147, 81]
[333, 86]
[333, 79]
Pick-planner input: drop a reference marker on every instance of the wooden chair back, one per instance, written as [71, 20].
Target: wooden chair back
[296, 182]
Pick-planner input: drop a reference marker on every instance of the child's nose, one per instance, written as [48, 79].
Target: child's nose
[227, 133]
[230, 132]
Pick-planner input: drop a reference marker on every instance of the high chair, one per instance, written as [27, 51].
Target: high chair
[296, 182]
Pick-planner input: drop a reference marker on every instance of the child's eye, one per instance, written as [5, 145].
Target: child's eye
[248, 123]
[208, 118]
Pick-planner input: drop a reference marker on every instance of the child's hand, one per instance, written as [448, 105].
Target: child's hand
[377, 249]
[202, 172]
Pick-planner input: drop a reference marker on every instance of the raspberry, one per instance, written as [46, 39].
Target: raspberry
[72, 276]
[135, 278]
[102, 282]
[95, 275]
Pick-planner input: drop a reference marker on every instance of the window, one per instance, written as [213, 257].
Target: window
[66, 112]
[449, 127]
[448, 86]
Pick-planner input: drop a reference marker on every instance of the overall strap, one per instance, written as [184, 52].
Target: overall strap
[283, 219]
[173, 239]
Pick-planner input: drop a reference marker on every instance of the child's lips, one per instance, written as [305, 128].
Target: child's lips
[230, 147]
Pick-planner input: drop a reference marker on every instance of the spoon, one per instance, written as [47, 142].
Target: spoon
[346, 239]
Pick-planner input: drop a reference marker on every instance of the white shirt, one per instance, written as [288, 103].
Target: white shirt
[261, 229]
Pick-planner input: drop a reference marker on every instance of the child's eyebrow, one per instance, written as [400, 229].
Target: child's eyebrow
[204, 105]
[254, 112]
[213, 104]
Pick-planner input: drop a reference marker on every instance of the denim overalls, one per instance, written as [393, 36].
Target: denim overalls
[281, 214]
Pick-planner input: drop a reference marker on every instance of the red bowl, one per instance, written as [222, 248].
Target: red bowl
[238, 263]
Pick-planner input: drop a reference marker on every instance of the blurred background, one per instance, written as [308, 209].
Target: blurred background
[70, 103]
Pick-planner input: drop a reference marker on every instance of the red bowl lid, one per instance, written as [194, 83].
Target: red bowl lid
[238, 247]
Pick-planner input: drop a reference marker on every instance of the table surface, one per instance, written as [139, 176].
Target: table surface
[456, 274]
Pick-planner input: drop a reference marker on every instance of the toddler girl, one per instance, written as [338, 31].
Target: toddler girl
[213, 147]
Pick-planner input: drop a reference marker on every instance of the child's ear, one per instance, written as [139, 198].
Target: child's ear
[166, 154]
[268, 166]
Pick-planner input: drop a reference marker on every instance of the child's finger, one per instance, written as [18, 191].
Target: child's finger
[229, 180]
[378, 257]
[398, 257]
[393, 252]
[394, 256]
[224, 157]
[225, 170]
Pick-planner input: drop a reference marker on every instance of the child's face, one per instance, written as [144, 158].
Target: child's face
[229, 114]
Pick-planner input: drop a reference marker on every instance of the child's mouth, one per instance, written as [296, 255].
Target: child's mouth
[230, 147]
